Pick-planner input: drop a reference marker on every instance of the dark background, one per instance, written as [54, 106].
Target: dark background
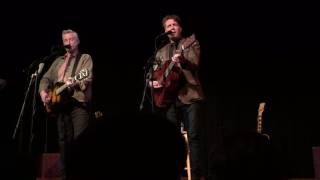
[251, 52]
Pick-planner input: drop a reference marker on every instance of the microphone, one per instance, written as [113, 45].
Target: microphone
[164, 34]
[68, 46]
[41, 65]
[40, 68]
[60, 50]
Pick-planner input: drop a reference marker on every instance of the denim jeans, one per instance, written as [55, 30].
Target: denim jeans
[187, 116]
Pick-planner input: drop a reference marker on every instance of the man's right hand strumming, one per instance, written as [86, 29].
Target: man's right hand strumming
[155, 84]
[45, 97]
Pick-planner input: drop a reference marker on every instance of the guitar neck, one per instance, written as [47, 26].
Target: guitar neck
[64, 86]
[167, 71]
[61, 88]
[259, 124]
[259, 118]
[170, 66]
[84, 73]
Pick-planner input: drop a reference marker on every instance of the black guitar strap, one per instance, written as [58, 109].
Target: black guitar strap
[76, 62]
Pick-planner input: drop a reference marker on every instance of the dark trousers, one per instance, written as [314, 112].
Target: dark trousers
[188, 116]
[71, 122]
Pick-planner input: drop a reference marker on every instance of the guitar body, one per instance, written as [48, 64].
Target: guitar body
[61, 93]
[58, 101]
[166, 95]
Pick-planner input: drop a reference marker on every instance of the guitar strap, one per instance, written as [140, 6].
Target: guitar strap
[171, 50]
[76, 62]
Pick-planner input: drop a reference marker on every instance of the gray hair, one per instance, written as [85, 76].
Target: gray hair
[67, 31]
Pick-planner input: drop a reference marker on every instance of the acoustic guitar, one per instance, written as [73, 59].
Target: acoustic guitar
[61, 92]
[169, 75]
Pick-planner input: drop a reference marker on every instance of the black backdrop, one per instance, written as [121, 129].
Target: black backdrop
[251, 52]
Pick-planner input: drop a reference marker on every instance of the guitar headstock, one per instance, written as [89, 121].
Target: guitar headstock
[84, 73]
[261, 108]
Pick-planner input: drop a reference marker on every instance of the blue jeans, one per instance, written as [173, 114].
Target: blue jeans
[188, 116]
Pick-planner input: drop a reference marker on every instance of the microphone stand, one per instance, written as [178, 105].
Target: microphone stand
[55, 51]
[148, 74]
[22, 108]
[34, 105]
[33, 79]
